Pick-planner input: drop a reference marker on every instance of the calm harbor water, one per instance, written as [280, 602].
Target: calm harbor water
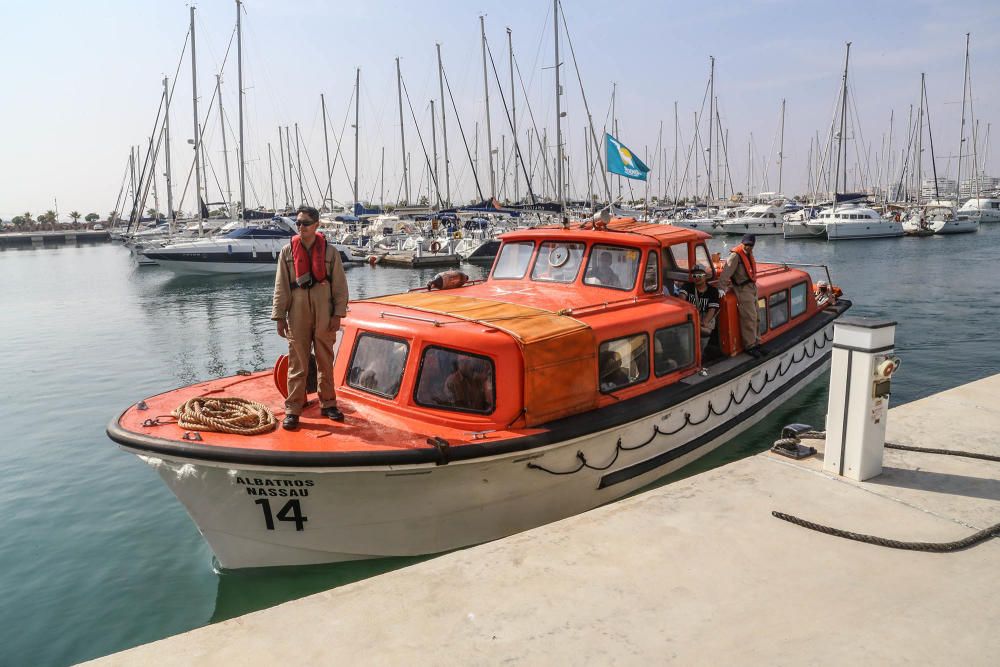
[98, 555]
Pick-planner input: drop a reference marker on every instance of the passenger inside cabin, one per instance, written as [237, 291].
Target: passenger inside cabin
[611, 371]
[468, 385]
[706, 299]
[604, 272]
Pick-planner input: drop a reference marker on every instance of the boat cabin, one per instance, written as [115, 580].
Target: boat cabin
[568, 320]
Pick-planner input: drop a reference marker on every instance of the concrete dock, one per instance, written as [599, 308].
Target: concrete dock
[54, 237]
[695, 572]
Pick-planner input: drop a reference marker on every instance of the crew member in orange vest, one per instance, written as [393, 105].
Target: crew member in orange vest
[310, 298]
[739, 275]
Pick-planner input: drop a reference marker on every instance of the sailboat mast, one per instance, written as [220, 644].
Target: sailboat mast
[961, 137]
[930, 136]
[239, 85]
[270, 171]
[328, 192]
[842, 144]
[357, 128]
[291, 166]
[197, 135]
[402, 135]
[434, 151]
[781, 147]
[298, 165]
[489, 131]
[677, 132]
[444, 130]
[711, 126]
[513, 114]
[559, 143]
[225, 150]
[166, 152]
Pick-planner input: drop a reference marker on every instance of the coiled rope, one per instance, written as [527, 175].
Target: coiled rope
[239, 416]
[931, 547]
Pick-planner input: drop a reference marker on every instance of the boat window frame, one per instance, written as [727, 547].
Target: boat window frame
[694, 356]
[452, 408]
[639, 380]
[363, 333]
[707, 262]
[762, 323]
[805, 300]
[538, 256]
[534, 251]
[590, 254]
[771, 306]
[652, 259]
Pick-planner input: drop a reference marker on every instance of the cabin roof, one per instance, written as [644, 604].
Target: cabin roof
[619, 230]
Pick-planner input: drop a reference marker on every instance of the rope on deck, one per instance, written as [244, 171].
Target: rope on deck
[239, 416]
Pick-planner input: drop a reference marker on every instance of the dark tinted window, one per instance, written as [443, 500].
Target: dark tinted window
[377, 364]
[651, 278]
[778, 308]
[761, 316]
[623, 361]
[611, 266]
[673, 348]
[455, 380]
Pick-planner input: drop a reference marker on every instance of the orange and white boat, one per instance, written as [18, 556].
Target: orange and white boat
[566, 379]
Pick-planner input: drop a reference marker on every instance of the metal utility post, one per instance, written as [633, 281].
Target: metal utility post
[225, 150]
[489, 130]
[402, 135]
[444, 130]
[166, 153]
[239, 77]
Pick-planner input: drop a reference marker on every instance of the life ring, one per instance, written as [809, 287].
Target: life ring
[457, 235]
[435, 247]
[372, 260]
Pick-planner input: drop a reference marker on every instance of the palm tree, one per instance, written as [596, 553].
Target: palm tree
[27, 217]
[76, 215]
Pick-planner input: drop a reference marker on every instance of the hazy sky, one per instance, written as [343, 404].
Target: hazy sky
[81, 82]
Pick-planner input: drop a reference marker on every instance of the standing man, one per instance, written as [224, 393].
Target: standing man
[740, 275]
[706, 299]
[310, 298]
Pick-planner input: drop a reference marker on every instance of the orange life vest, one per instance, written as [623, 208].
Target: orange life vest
[309, 262]
[749, 263]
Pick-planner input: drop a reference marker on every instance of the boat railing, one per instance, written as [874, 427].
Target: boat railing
[799, 265]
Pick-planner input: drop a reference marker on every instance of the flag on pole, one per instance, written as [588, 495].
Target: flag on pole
[622, 161]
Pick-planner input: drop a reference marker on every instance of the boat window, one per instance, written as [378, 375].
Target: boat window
[558, 262]
[761, 316]
[513, 260]
[651, 278]
[377, 364]
[702, 257]
[455, 380]
[798, 300]
[778, 308]
[679, 254]
[612, 266]
[623, 362]
[673, 348]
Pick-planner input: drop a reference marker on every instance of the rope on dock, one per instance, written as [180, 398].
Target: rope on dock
[931, 547]
[821, 435]
[239, 416]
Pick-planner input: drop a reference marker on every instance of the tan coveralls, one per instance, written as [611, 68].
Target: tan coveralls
[734, 278]
[308, 312]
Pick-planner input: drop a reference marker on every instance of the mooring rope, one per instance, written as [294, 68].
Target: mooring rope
[933, 547]
[239, 416]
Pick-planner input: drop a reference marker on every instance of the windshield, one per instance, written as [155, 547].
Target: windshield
[610, 266]
[558, 262]
[513, 260]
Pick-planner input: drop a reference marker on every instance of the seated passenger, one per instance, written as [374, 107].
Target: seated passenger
[603, 271]
[612, 375]
[466, 386]
[705, 298]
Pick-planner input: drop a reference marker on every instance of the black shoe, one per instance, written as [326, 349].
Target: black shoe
[290, 422]
[754, 352]
[763, 351]
[333, 413]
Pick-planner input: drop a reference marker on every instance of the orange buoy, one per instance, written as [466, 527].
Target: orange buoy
[372, 260]
[280, 373]
[448, 280]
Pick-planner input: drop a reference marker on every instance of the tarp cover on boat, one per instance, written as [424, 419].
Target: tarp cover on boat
[560, 374]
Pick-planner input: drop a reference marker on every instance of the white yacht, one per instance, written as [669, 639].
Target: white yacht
[856, 222]
[939, 217]
[987, 209]
[760, 219]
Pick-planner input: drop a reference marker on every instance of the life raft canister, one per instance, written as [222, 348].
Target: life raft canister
[448, 280]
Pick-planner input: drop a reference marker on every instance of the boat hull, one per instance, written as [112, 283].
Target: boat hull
[758, 228]
[804, 230]
[256, 516]
[840, 231]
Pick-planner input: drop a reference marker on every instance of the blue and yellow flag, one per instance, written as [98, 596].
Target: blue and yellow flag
[622, 161]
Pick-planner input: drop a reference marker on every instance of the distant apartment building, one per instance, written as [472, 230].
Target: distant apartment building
[986, 184]
[946, 187]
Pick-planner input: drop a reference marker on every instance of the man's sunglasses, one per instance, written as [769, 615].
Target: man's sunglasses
[305, 223]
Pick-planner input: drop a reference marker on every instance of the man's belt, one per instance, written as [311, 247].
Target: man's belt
[309, 285]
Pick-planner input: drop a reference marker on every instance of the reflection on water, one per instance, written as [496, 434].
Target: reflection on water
[100, 549]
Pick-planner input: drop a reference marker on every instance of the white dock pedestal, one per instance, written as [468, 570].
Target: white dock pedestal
[862, 364]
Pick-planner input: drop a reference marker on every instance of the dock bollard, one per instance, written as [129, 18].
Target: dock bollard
[862, 365]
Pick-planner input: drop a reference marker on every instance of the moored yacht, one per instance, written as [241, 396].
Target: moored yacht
[856, 222]
[939, 217]
[567, 379]
[986, 209]
[760, 219]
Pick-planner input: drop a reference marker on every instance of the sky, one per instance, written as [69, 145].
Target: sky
[82, 81]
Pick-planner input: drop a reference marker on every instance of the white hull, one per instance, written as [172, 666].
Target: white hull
[804, 230]
[959, 226]
[217, 268]
[759, 228]
[863, 229]
[402, 510]
[706, 225]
